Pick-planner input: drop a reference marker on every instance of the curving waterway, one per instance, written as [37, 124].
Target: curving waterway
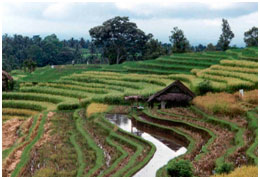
[166, 147]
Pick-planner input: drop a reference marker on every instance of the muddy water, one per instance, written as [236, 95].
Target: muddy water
[166, 147]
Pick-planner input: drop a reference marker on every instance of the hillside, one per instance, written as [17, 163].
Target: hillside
[60, 117]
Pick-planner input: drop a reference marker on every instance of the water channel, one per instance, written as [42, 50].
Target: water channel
[166, 147]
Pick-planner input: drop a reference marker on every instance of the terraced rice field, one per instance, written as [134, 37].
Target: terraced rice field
[46, 131]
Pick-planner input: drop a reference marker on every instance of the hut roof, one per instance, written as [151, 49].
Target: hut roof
[177, 97]
[6, 75]
[177, 83]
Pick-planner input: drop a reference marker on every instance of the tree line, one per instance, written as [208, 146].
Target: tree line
[115, 41]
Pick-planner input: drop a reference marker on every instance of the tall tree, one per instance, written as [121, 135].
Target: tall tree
[251, 37]
[154, 49]
[119, 39]
[179, 41]
[210, 47]
[226, 36]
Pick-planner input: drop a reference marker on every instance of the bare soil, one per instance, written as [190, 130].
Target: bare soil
[10, 132]
[14, 158]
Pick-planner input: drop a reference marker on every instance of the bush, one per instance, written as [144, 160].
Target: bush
[204, 87]
[181, 168]
[225, 168]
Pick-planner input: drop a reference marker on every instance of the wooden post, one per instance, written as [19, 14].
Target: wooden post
[163, 104]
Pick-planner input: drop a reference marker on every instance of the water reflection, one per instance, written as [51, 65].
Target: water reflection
[166, 148]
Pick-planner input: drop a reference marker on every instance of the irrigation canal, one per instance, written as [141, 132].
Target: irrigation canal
[166, 147]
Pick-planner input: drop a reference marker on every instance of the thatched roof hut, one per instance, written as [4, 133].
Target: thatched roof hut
[6, 79]
[176, 94]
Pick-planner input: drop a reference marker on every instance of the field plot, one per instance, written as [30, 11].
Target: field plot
[57, 125]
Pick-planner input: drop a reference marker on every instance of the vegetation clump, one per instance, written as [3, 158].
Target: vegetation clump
[181, 168]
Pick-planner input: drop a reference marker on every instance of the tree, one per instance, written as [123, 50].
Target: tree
[251, 37]
[200, 48]
[179, 41]
[210, 47]
[30, 65]
[119, 39]
[154, 49]
[226, 36]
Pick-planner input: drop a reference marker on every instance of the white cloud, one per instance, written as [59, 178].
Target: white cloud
[57, 11]
[75, 19]
[219, 5]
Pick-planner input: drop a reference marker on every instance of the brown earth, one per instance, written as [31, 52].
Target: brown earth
[10, 132]
[14, 158]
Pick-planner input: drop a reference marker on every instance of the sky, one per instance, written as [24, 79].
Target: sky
[201, 22]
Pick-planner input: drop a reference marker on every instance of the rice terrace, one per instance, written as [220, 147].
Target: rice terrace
[124, 104]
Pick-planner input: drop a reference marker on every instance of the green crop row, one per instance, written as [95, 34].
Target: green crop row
[82, 164]
[167, 67]
[190, 140]
[18, 112]
[26, 152]
[91, 143]
[132, 167]
[243, 76]
[6, 152]
[239, 63]
[22, 105]
[109, 82]
[122, 77]
[48, 90]
[92, 85]
[31, 97]
[141, 69]
[210, 133]
[253, 125]
[235, 69]
[238, 141]
[204, 58]
[190, 62]
[74, 88]
[110, 137]
[232, 83]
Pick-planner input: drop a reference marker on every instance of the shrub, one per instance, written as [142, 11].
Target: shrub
[204, 87]
[181, 168]
[225, 168]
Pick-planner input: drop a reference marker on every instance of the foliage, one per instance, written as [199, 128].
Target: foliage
[225, 168]
[30, 65]
[226, 36]
[180, 168]
[204, 87]
[179, 41]
[251, 37]
[154, 49]
[210, 47]
[18, 49]
[119, 39]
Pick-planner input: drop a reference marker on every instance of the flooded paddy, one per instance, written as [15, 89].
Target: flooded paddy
[166, 147]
